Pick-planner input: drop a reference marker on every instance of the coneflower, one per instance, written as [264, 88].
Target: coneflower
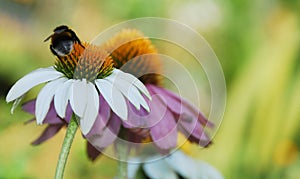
[158, 121]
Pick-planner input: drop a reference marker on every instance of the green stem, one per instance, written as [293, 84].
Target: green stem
[66, 146]
[122, 150]
[122, 170]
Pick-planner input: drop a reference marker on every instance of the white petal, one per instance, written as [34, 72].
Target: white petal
[44, 99]
[135, 95]
[16, 103]
[124, 88]
[78, 96]
[133, 166]
[190, 168]
[92, 108]
[185, 167]
[30, 80]
[114, 98]
[131, 79]
[159, 169]
[207, 171]
[61, 97]
[129, 91]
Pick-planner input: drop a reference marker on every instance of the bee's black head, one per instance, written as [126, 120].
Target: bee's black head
[62, 40]
[61, 28]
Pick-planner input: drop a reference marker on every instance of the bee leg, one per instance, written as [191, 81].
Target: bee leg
[81, 45]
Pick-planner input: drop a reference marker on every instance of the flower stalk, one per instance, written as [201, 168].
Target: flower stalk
[122, 151]
[66, 146]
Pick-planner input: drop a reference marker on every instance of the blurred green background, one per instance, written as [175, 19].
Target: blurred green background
[257, 43]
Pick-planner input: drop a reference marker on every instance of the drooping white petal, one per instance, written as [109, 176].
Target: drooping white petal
[190, 168]
[78, 96]
[131, 79]
[114, 98]
[30, 80]
[61, 97]
[133, 166]
[159, 169]
[92, 108]
[124, 88]
[44, 99]
[134, 93]
[130, 91]
[16, 103]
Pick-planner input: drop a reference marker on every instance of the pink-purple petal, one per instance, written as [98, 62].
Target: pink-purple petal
[102, 118]
[164, 133]
[158, 112]
[104, 111]
[179, 105]
[174, 104]
[69, 113]
[144, 119]
[49, 132]
[192, 128]
[191, 121]
[136, 118]
[108, 135]
[51, 117]
[29, 107]
[92, 152]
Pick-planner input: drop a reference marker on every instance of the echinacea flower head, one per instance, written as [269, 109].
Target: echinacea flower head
[78, 79]
[137, 111]
[134, 53]
[169, 112]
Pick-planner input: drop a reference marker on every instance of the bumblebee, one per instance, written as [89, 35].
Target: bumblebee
[62, 41]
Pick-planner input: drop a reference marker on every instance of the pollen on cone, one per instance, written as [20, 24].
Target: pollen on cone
[85, 61]
[93, 61]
